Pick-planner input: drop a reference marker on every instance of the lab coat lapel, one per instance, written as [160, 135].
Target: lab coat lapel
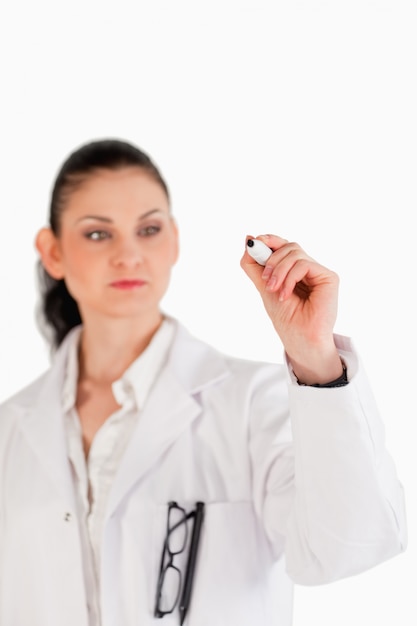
[170, 409]
[41, 420]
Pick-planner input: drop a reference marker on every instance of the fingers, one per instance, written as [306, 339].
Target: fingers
[288, 268]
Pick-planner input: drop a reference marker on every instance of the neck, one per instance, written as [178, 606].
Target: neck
[108, 347]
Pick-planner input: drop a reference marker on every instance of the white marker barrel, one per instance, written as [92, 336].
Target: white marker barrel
[258, 250]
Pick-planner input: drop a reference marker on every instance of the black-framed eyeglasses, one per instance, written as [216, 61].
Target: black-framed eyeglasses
[171, 588]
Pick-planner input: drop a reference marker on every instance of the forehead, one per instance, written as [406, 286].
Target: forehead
[129, 187]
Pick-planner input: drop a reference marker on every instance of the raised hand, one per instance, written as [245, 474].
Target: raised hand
[300, 297]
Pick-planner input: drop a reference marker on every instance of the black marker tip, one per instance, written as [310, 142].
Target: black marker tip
[250, 243]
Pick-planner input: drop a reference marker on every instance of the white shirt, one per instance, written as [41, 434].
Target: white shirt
[94, 477]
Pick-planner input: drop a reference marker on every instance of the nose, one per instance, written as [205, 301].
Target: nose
[127, 253]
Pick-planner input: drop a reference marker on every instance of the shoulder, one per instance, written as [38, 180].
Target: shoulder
[196, 358]
[246, 391]
[14, 408]
[24, 398]
[28, 396]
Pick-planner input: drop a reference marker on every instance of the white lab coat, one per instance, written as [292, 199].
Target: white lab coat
[307, 501]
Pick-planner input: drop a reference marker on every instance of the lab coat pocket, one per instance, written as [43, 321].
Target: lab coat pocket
[233, 560]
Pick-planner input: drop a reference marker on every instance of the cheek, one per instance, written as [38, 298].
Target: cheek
[78, 264]
[77, 259]
[175, 252]
[168, 257]
[163, 254]
[172, 249]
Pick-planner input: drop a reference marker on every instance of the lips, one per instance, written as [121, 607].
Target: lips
[127, 284]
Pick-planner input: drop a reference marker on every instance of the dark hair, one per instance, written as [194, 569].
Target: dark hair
[58, 312]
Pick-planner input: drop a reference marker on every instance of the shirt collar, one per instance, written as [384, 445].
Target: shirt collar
[136, 381]
[141, 374]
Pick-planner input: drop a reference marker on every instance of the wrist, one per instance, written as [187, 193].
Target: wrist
[341, 381]
[318, 369]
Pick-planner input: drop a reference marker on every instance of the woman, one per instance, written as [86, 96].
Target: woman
[104, 458]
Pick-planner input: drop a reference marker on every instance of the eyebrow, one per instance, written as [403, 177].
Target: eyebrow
[108, 220]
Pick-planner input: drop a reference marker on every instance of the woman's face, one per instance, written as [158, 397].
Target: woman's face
[117, 244]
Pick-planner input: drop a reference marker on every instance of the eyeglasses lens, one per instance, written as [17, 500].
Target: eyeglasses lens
[170, 589]
[177, 530]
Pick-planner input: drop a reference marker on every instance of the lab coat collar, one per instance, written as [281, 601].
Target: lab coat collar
[41, 420]
[171, 406]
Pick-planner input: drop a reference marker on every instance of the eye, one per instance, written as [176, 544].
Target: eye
[148, 231]
[97, 235]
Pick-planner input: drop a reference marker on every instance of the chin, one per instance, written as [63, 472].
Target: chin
[132, 312]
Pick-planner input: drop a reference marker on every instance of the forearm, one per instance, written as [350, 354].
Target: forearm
[348, 512]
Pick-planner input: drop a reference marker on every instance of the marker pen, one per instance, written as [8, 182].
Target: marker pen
[258, 250]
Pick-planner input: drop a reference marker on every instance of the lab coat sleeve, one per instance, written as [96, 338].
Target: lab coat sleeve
[327, 493]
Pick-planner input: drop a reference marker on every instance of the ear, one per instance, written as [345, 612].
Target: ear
[49, 250]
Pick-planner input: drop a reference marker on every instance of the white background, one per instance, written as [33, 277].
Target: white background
[294, 117]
